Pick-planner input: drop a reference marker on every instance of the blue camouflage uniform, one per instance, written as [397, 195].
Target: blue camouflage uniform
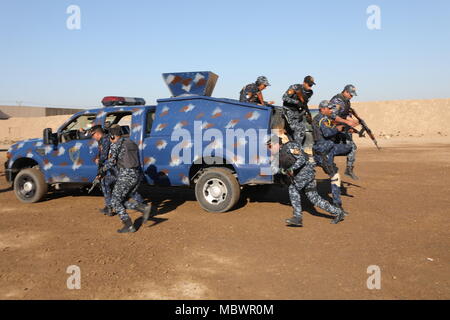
[295, 109]
[341, 107]
[325, 149]
[107, 182]
[127, 183]
[249, 94]
[304, 179]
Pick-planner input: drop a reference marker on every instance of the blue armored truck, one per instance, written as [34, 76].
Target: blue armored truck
[191, 139]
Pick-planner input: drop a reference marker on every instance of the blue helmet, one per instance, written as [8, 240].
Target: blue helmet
[262, 80]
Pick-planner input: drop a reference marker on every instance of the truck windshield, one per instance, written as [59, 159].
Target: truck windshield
[77, 128]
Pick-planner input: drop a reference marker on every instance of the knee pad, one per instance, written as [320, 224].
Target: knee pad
[336, 180]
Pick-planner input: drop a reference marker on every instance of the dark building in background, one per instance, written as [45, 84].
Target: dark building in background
[27, 112]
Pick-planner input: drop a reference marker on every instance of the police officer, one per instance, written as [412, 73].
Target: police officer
[252, 93]
[124, 155]
[107, 182]
[294, 162]
[341, 113]
[325, 148]
[295, 102]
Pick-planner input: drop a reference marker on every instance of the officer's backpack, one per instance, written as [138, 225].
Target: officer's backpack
[130, 157]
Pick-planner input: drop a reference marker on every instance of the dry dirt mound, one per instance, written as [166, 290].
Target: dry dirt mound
[407, 118]
[387, 119]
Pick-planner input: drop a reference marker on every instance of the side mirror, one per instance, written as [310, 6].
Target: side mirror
[49, 137]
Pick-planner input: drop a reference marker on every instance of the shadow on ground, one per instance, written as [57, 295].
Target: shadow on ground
[279, 194]
[6, 190]
[167, 199]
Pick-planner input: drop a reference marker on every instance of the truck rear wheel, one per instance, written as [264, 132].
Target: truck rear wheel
[30, 185]
[217, 190]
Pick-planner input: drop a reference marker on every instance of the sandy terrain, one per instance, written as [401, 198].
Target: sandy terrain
[399, 220]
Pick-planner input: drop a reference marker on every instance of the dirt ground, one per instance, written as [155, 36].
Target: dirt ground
[399, 220]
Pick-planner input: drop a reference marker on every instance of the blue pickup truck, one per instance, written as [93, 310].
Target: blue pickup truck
[191, 139]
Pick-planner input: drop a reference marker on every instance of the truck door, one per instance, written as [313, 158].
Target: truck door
[149, 148]
[73, 159]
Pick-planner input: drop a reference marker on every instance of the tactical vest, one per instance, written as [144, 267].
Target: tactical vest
[130, 159]
[287, 159]
[317, 133]
[345, 112]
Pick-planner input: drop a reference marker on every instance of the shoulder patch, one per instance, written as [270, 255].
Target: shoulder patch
[326, 122]
[290, 92]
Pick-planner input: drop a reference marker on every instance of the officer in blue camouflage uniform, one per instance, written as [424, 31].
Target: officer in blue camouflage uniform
[325, 148]
[295, 103]
[341, 113]
[124, 156]
[252, 93]
[294, 162]
[109, 178]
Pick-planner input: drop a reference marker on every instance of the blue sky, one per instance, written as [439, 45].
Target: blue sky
[124, 46]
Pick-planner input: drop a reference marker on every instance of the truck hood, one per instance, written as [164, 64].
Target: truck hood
[25, 148]
[25, 145]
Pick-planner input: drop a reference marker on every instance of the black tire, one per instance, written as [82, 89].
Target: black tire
[30, 185]
[224, 182]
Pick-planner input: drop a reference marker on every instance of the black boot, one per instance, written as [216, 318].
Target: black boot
[142, 208]
[339, 217]
[345, 213]
[349, 172]
[107, 211]
[295, 221]
[146, 213]
[127, 227]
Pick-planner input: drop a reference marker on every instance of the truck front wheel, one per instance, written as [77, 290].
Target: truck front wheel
[30, 185]
[217, 190]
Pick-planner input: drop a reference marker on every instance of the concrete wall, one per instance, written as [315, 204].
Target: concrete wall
[27, 112]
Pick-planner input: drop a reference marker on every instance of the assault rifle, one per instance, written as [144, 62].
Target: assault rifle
[364, 129]
[95, 183]
[97, 180]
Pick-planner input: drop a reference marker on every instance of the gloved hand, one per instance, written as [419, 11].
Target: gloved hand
[290, 172]
[101, 171]
[287, 172]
